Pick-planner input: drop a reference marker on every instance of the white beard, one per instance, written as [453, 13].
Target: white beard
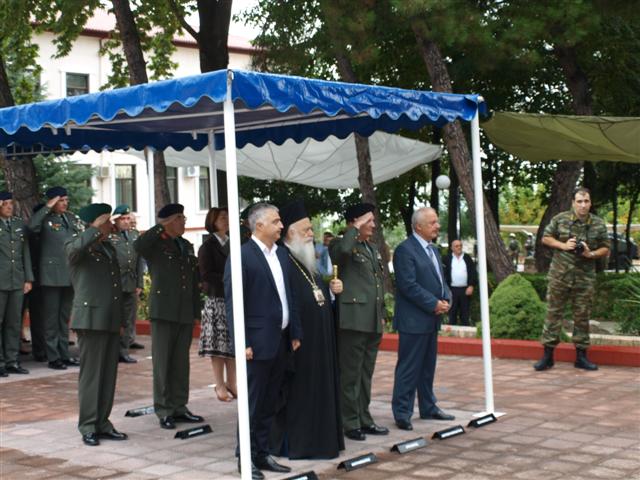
[305, 253]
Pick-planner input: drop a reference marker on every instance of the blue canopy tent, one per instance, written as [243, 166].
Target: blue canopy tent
[234, 108]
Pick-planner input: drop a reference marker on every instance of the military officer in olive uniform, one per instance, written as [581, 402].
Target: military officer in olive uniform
[56, 225]
[16, 277]
[578, 239]
[361, 318]
[97, 319]
[131, 271]
[174, 306]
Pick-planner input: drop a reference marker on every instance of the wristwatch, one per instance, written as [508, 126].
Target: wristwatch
[592, 254]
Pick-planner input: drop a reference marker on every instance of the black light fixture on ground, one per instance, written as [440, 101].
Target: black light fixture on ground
[409, 445]
[304, 476]
[138, 412]
[449, 432]
[482, 421]
[193, 432]
[358, 462]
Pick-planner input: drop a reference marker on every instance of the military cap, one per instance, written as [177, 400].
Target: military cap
[56, 192]
[291, 213]
[354, 211]
[89, 213]
[170, 209]
[6, 196]
[121, 210]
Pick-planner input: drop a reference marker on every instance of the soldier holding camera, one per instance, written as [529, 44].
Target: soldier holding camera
[578, 239]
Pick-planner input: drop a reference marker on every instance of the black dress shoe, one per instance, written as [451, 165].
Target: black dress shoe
[355, 434]
[404, 425]
[168, 423]
[268, 463]
[16, 368]
[136, 346]
[188, 417]
[438, 415]
[91, 439]
[3, 372]
[57, 365]
[127, 359]
[374, 429]
[113, 435]
[71, 362]
[255, 473]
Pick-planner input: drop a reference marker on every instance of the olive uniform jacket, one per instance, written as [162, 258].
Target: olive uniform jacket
[361, 304]
[15, 256]
[174, 294]
[95, 275]
[54, 231]
[131, 267]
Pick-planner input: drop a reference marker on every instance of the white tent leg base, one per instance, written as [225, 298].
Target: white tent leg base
[484, 414]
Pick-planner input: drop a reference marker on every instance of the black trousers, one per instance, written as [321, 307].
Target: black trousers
[459, 306]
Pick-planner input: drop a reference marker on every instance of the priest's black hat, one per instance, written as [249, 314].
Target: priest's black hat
[6, 195]
[357, 210]
[56, 192]
[170, 209]
[291, 213]
[89, 213]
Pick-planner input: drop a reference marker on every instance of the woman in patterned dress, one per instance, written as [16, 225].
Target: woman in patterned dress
[214, 335]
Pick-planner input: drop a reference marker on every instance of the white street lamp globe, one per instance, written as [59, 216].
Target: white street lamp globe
[443, 182]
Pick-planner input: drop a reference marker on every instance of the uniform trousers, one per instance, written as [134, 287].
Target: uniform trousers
[56, 306]
[129, 306]
[170, 343]
[10, 326]
[97, 379]
[357, 352]
[36, 323]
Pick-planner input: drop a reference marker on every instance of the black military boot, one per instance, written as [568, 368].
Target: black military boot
[582, 362]
[546, 361]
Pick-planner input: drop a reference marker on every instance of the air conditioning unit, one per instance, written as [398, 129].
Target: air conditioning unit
[104, 172]
[192, 171]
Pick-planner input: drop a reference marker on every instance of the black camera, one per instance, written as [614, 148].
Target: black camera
[579, 250]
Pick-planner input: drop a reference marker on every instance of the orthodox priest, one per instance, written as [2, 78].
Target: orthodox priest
[308, 424]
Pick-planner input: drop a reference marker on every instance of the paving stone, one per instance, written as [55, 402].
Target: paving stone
[621, 463]
[602, 472]
[432, 472]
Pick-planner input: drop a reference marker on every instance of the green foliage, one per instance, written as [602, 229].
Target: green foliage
[515, 310]
[626, 309]
[76, 178]
[143, 301]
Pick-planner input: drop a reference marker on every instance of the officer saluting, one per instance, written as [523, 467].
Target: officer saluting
[97, 318]
[174, 306]
[56, 225]
[15, 281]
[131, 274]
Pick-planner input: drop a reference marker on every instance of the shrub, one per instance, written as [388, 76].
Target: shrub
[143, 299]
[516, 311]
[626, 309]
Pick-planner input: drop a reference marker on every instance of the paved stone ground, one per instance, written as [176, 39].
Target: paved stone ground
[561, 424]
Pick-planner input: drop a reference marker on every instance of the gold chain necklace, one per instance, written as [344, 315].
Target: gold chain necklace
[317, 293]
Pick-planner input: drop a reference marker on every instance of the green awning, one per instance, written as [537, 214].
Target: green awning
[538, 137]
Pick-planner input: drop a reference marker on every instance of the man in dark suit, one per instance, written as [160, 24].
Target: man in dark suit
[421, 297]
[460, 274]
[272, 326]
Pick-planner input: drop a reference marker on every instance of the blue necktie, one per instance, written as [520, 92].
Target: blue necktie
[434, 260]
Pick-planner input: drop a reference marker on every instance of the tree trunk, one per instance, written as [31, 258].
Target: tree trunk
[567, 173]
[407, 211]
[497, 256]
[632, 206]
[614, 244]
[213, 35]
[434, 197]
[19, 172]
[138, 74]
[453, 208]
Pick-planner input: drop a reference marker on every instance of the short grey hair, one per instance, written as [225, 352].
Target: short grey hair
[417, 215]
[257, 214]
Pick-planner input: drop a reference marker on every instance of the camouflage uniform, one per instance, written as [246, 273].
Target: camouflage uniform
[572, 278]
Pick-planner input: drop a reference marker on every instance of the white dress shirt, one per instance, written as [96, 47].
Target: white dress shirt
[458, 271]
[278, 276]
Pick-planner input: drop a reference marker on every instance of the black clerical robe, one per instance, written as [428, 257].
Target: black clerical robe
[308, 423]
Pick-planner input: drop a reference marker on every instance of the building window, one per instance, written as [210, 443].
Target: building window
[77, 84]
[172, 183]
[126, 186]
[205, 193]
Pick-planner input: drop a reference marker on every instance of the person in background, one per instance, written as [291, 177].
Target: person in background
[461, 277]
[514, 249]
[214, 334]
[133, 224]
[323, 262]
[33, 300]
[16, 277]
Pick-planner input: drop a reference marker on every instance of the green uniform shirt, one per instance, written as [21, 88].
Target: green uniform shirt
[130, 262]
[593, 231]
[15, 257]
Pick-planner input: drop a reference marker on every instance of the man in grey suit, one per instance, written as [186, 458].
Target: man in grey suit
[56, 225]
[421, 298]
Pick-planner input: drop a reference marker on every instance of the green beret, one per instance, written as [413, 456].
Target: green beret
[122, 210]
[89, 213]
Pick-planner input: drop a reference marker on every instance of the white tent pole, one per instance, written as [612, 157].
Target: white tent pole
[148, 152]
[482, 263]
[236, 281]
[213, 172]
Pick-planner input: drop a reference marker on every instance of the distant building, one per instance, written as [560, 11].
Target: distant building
[122, 177]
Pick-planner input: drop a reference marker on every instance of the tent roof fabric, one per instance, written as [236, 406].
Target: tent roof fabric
[331, 163]
[539, 137]
[180, 112]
